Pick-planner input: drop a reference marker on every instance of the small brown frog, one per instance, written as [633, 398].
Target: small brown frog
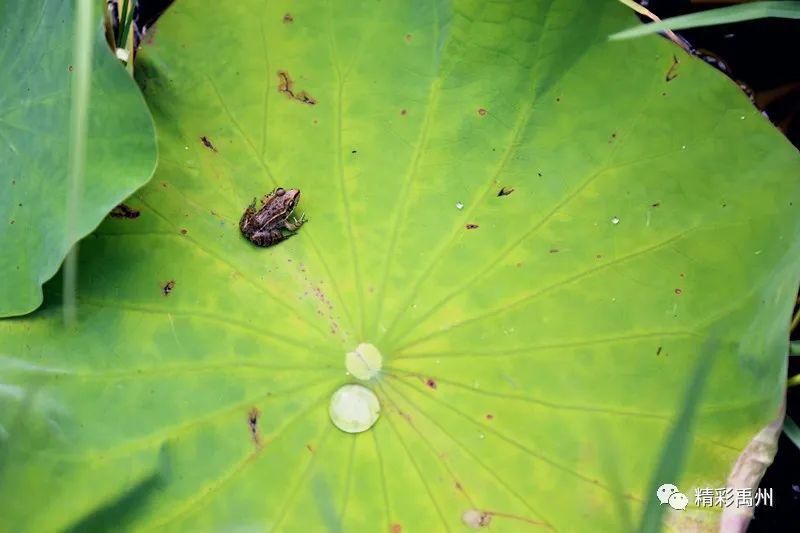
[265, 226]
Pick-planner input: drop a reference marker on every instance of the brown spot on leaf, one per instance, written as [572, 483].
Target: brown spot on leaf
[167, 287]
[553, 250]
[489, 416]
[430, 382]
[613, 137]
[672, 73]
[658, 351]
[310, 448]
[286, 86]
[403, 112]
[472, 226]
[207, 143]
[123, 211]
[12, 222]
[677, 291]
[252, 422]
[69, 68]
[505, 191]
[458, 486]
[408, 37]
[288, 18]
[396, 528]
[184, 231]
[482, 112]
[655, 204]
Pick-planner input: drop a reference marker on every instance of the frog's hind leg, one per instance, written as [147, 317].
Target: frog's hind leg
[247, 215]
[267, 237]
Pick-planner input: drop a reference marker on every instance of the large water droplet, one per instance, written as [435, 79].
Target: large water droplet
[354, 408]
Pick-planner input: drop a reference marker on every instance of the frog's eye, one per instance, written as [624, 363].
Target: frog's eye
[279, 192]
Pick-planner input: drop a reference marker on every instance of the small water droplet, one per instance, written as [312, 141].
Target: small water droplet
[185, 147]
[683, 147]
[364, 362]
[481, 436]
[758, 252]
[459, 205]
[615, 220]
[742, 117]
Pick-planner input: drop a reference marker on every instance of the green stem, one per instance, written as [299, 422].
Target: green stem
[79, 111]
[125, 21]
[793, 381]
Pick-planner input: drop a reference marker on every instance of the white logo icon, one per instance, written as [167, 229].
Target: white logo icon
[669, 494]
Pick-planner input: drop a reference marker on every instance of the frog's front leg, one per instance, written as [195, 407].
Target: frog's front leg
[295, 223]
[267, 237]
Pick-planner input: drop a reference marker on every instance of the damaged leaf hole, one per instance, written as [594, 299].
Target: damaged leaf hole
[672, 73]
[207, 143]
[123, 211]
[166, 288]
[286, 86]
[252, 422]
[505, 191]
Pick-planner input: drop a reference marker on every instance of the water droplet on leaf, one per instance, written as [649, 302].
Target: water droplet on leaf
[354, 408]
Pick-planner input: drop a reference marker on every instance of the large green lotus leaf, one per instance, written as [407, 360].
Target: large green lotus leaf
[537, 346]
[36, 39]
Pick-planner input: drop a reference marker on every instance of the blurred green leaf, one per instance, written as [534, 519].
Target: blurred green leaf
[713, 17]
[36, 53]
[792, 430]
